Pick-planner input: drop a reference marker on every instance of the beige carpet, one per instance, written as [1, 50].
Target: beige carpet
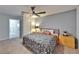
[14, 46]
[59, 49]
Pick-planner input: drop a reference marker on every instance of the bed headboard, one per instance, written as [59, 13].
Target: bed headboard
[53, 31]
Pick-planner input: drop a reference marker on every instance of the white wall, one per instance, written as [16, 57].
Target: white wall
[77, 23]
[4, 26]
[26, 25]
[63, 21]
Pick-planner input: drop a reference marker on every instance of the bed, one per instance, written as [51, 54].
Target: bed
[42, 43]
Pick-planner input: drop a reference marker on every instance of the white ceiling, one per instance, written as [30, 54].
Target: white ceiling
[50, 9]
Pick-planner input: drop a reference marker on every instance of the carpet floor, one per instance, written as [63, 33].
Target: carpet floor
[14, 46]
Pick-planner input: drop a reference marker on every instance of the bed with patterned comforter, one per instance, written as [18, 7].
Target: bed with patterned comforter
[40, 43]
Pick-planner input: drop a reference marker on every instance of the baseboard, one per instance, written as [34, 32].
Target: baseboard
[1, 39]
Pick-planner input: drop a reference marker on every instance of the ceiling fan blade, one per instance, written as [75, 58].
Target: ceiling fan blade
[41, 13]
[37, 14]
[26, 12]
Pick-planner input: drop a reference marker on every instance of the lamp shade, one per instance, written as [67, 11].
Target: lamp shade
[33, 23]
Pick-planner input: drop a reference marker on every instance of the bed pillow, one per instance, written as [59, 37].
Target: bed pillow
[47, 32]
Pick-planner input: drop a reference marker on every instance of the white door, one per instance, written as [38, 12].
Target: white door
[14, 28]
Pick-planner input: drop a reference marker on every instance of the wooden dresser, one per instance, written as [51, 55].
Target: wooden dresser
[68, 41]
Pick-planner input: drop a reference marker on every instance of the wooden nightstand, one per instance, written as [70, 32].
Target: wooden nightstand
[68, 41]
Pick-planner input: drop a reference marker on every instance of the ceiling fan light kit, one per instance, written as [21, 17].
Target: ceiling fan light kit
[34, 16]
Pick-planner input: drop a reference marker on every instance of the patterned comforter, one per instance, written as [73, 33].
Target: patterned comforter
[40, 43]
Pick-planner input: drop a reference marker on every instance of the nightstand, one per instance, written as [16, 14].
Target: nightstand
[68, 41]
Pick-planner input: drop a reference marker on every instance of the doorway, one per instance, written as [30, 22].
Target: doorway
[14, 28]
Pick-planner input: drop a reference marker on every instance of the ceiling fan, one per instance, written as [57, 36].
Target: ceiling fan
[33, 12]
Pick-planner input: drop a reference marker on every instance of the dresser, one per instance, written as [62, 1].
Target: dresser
[68, 41]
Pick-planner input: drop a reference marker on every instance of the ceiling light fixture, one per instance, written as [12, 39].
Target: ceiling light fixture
[34, 16]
